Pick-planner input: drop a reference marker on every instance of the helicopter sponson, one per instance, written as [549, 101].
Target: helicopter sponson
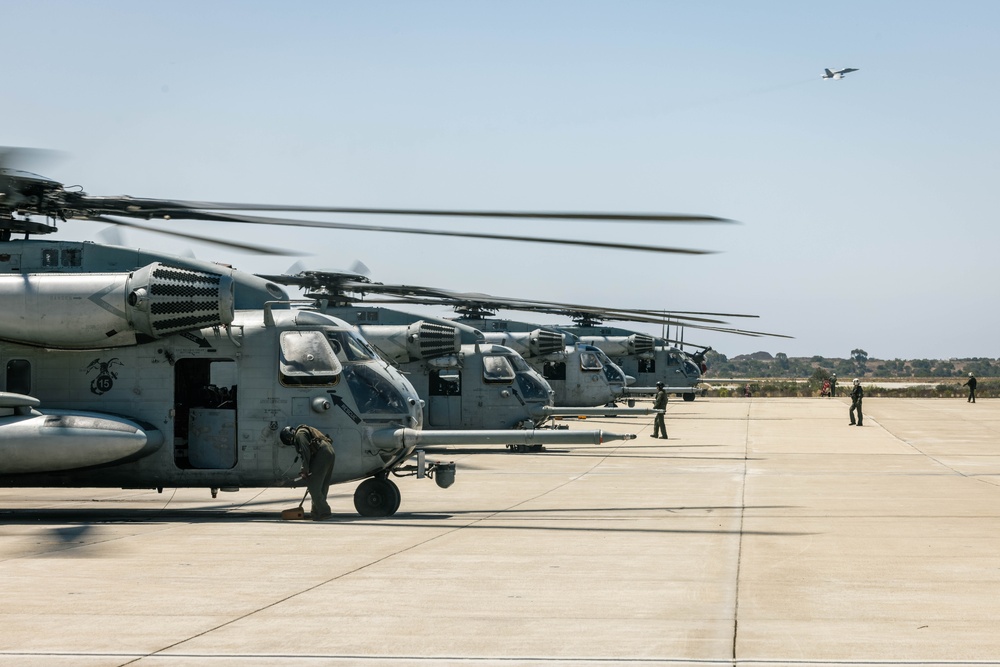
[101, 310]
[32, 441]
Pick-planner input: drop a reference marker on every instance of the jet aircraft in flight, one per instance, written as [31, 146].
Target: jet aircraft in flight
[838, 73]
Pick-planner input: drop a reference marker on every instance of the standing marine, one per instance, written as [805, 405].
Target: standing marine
[971, 384]
[833, 386]
[856, 395]
[318, 457]
[660, 405]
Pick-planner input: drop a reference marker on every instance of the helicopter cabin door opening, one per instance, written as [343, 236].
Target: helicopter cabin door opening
[444, 404]
[205, 413]
[18, 380]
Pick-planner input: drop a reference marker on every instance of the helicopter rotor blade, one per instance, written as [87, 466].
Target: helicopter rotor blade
[19, 159]
[248, 247]
[554, 307]
[339, 282]
[260, 220]
[160, 207]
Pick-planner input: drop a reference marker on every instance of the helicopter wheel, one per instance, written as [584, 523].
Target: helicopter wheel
[377, 497]
[688, 397]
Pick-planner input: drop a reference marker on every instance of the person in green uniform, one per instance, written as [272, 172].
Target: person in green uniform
[318, 457]
[856, 395]
[660, 405]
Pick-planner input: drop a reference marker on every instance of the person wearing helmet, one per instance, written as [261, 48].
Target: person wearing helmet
[971, 384]
[660, 405]
[856, 395]
[833, 386]
[318, 457]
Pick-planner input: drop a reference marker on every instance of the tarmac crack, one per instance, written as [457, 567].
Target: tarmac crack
[739, 548]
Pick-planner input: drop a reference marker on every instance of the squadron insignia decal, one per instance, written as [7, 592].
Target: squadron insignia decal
[106, 377]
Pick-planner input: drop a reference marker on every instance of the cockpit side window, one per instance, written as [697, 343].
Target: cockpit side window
[590, 362]
[497, 369]
[307, 359]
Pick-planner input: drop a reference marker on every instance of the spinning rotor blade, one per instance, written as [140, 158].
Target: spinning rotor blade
[494, 306]
[553, 307]
[436, 296]
[340, 283]
[159, 207]
[196, 215]
[249, 247]
[27, 194]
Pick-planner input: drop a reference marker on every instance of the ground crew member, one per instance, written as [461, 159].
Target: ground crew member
[833, 385]
[856, 395]
[971, 384]
[659, 404]
[316, 450]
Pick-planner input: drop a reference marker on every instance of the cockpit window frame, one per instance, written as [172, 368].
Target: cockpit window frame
[306, 359]
[590, 362]
[497, 369]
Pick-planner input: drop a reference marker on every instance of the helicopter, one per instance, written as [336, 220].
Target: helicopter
[580, 374]
[646, 358]
[483, 381]
[133, 368]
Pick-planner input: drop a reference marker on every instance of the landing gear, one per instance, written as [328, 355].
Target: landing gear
[688, 397]
[377, 496]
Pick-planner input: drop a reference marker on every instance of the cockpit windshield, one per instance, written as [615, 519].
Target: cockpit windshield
[611, 371]
[373, 393]
[531, 388]
[350, 347]
[520, 365]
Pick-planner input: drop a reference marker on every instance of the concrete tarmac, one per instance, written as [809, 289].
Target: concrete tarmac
[764, 532]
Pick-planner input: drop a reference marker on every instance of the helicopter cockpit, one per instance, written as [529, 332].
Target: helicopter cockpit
[532, 386]
[614, 374]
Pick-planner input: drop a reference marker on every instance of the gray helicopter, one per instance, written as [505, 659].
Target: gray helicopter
[137, 369]
[647, 358]
[483, 380]
[580, 374]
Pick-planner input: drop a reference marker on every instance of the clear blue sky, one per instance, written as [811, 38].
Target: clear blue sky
[866, 205]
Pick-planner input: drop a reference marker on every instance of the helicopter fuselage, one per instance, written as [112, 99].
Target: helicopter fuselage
[220, 398]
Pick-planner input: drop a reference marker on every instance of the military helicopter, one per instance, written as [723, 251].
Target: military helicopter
[647, 358]
[580, 374]
[483, 380]
[137, 369]
[465, 381]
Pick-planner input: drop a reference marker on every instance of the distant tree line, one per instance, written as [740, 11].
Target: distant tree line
[859, 364]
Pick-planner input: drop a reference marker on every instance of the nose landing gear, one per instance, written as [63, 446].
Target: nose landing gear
[378, 496]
